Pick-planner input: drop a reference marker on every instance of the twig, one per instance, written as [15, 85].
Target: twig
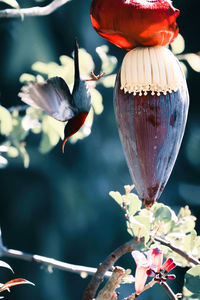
[146, 287]
[169, 291]
[33, 11]
[106, 265]
[81, 270]
[188, 257]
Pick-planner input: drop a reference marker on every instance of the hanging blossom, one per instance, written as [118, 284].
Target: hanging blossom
[151, 265]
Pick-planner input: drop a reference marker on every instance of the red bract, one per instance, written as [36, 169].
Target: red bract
[151, 105]
[132, 23]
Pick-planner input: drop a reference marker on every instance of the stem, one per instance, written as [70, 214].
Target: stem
[47, 261]
[169, 291]
[106, 265]
[146, 287]
[33, 11]
[51, 262]
[188, 257]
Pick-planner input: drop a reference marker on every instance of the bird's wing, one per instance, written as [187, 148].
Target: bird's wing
[52, 96]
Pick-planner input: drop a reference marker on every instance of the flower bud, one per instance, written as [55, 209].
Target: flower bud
[151, 105]
[150, 273]
[132, 23]
[170, 267]
[167, 263]
[171, 276]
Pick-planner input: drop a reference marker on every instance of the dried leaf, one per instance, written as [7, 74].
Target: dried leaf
[14, 282]
[3, 264]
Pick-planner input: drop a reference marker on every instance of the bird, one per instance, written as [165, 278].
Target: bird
[54, 97]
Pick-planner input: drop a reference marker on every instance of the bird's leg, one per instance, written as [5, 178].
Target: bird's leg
[94, 77]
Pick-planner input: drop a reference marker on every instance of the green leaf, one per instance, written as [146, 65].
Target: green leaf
[51, 69]
[189, 241]
[135, 203]
[128, 279]
[193, 60]
[178, 46]
[53, 130]
[48, 141]
[12, 3]
[18, 133]
[5, 121]
[57, 126]
[187, 295]
[108, 81]
[67, 69]
[162, 213]
[108, 62]
[12, 152]
[140, 229]
[184, 212]
[23, 153]
[97, 101]
[25, 77]
[144, 221]
[117, 197]
[86, 63]
[192, 280]
[35, 113]
[3, 162]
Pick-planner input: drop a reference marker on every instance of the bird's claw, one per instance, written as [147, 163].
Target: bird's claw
[94, 77]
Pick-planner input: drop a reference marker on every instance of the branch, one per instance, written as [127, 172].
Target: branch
[33, 11]
[108, 291]
[169, 291]
[106, 265]
[81, 270]
[178, 251]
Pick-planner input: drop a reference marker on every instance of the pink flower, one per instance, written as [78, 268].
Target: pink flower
[142, 265]
[151, 265]
[146, 266]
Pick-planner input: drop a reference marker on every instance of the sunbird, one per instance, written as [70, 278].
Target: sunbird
[54, 97]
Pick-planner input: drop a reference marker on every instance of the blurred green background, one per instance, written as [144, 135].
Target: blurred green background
[59, 207]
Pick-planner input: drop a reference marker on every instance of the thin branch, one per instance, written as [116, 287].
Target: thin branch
[169, 291]
[33, 11]
[106, 265]
[81, 270]
[146, 287]
[188, 257]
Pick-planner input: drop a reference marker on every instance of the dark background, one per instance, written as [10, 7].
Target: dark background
[59, 206]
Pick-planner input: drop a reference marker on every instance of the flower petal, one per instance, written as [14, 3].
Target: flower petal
[140, 278]
[139, 257]
[157, 258]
